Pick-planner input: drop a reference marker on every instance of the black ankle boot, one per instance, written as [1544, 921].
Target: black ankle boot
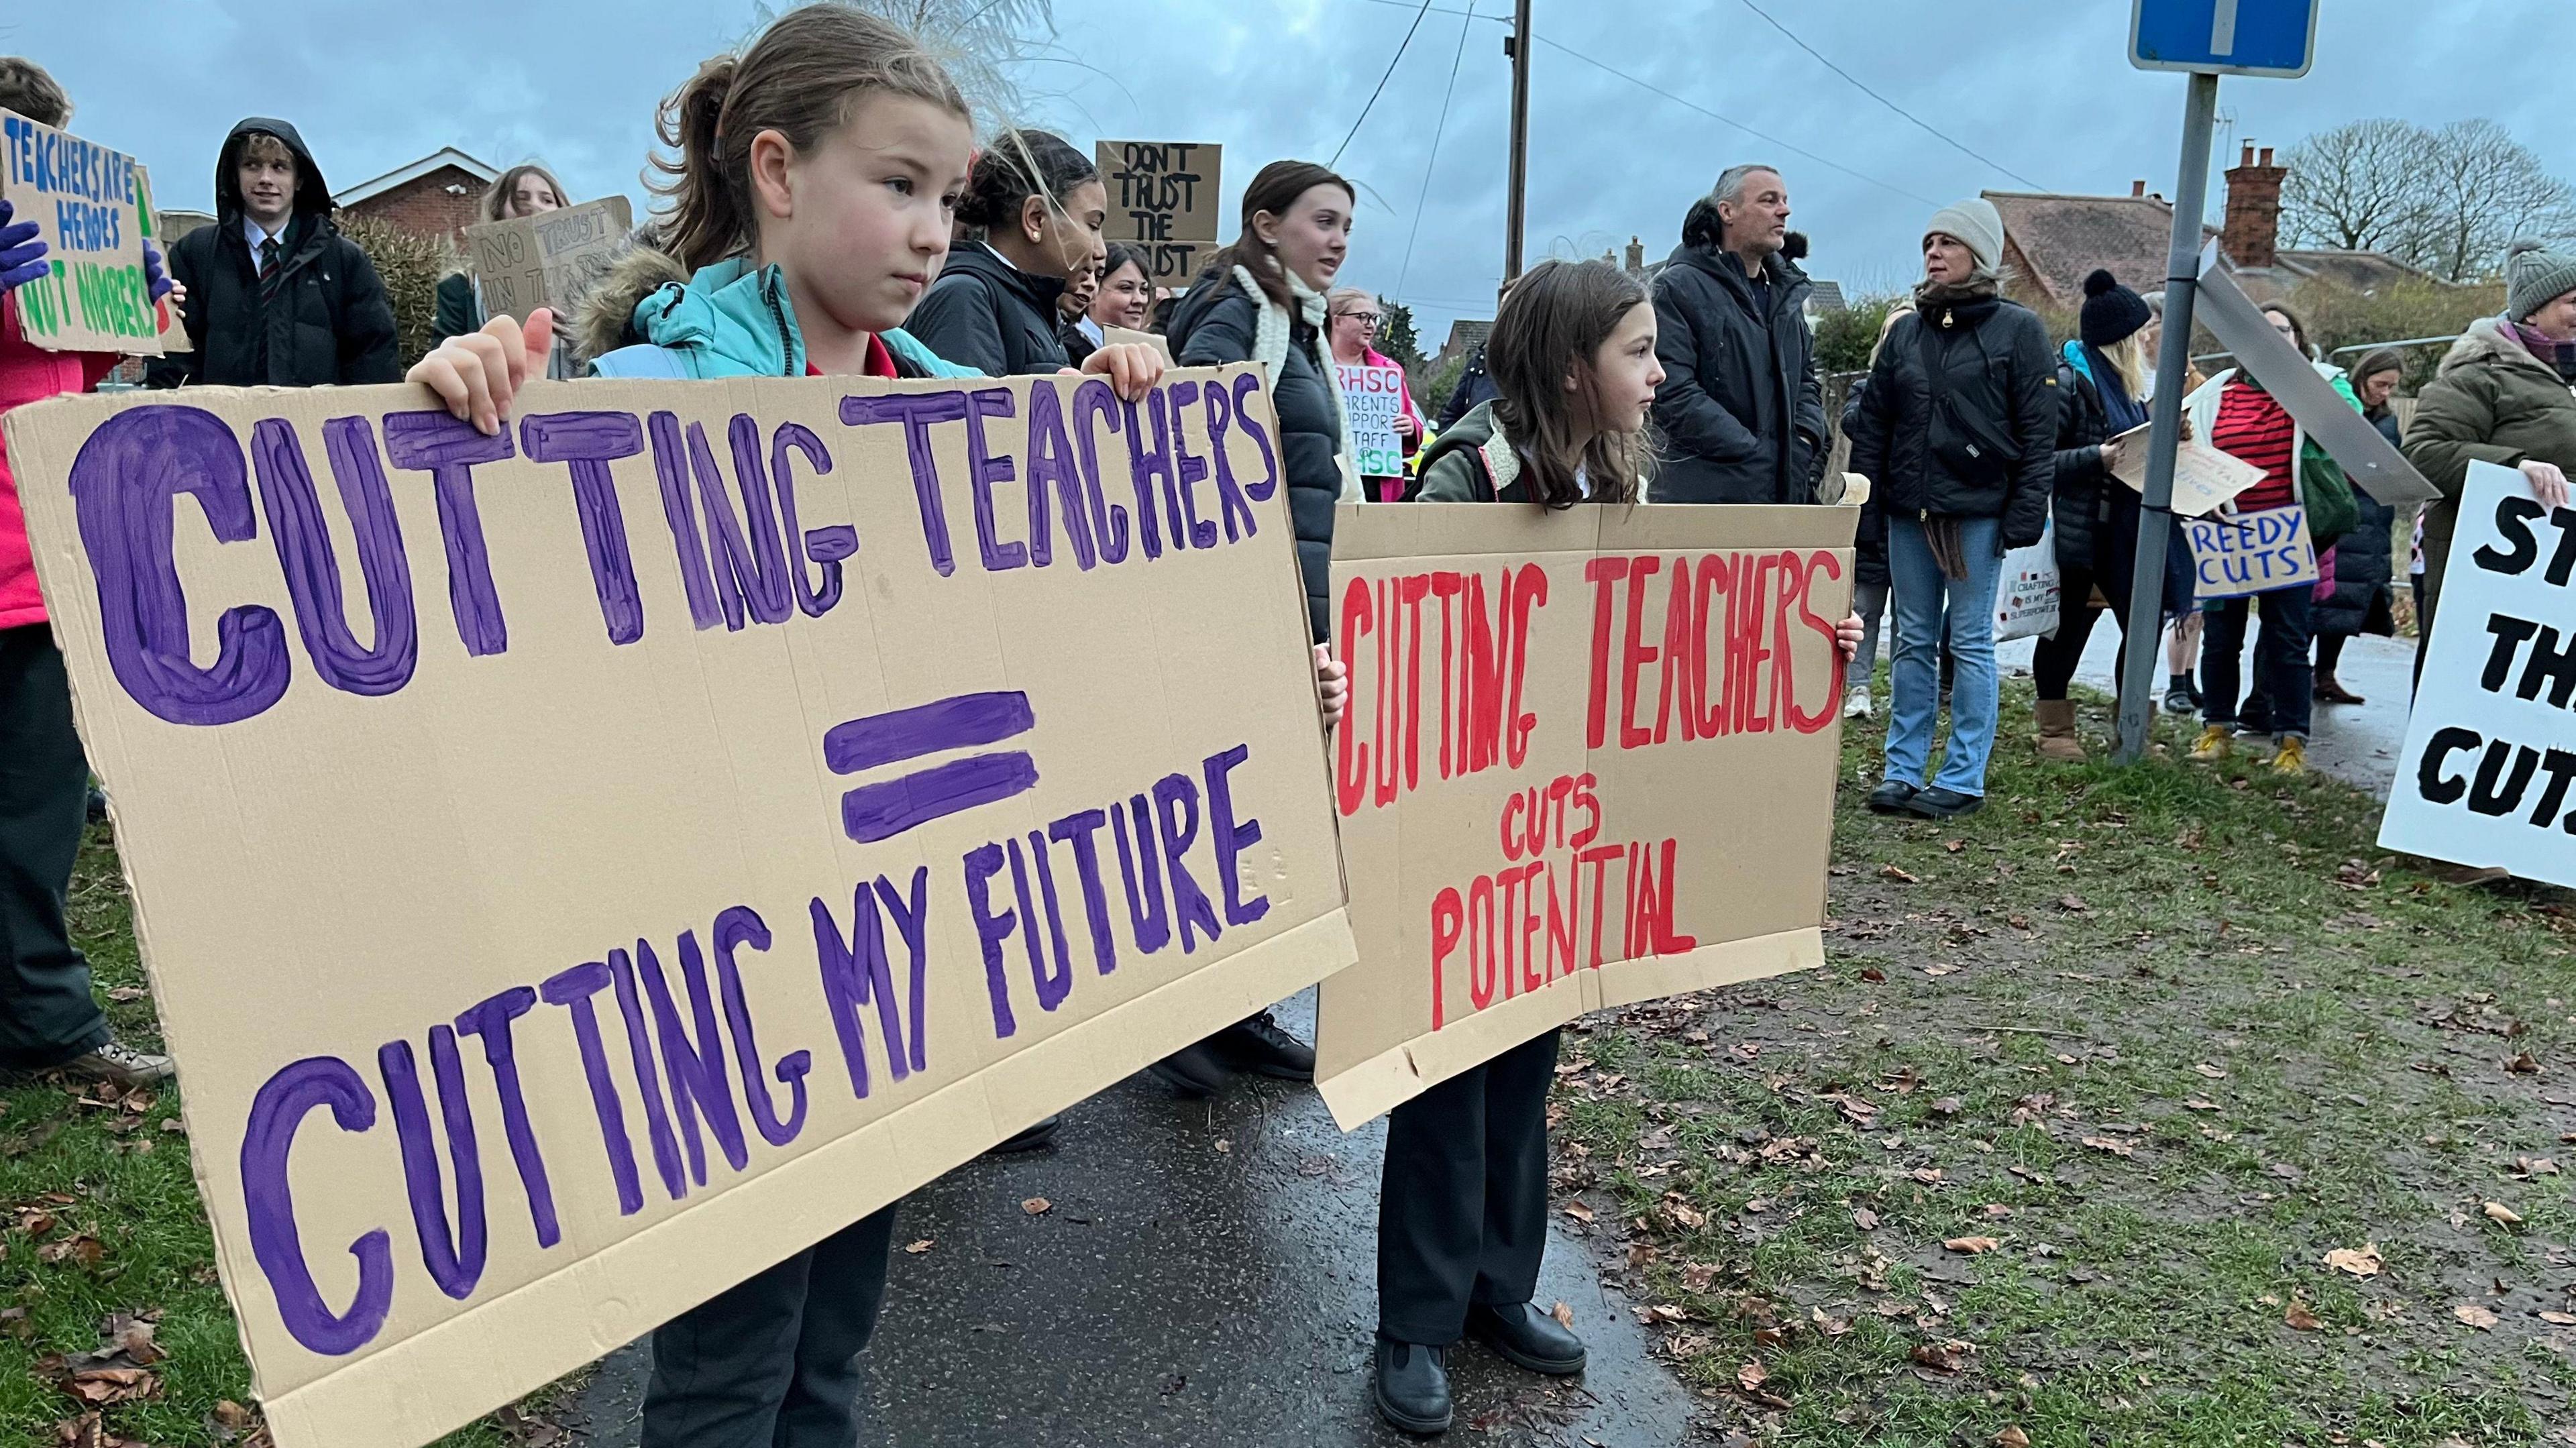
[1411, 1387]
[1259, 1045]
[1527, 1337]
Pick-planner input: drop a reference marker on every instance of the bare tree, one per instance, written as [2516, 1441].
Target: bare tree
[2355, 187]
[984, 43]
[2449, 200]
[2482, 190]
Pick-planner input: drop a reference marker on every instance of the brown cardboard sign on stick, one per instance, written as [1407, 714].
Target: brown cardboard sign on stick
[82, 197]
[1589, 760]
[581, 867]
[546, 260]
[1163, 200]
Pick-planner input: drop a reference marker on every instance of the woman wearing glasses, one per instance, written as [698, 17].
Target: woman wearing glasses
[1353, 318]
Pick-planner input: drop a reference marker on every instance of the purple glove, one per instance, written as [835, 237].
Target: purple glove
[22, 257]
[156, 279]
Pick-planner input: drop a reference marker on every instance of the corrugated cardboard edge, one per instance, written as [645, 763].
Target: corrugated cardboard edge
[1388, 1080]
[819, 1193]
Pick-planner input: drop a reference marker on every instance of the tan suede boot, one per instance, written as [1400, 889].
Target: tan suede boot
[2057, 731]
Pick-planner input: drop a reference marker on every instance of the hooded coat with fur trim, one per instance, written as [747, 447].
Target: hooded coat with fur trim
[320, 317]
[1226, 318]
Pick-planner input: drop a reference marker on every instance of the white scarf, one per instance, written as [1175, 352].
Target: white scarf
[1270, 341]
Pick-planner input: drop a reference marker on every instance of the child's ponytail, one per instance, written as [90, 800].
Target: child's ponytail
[799, 78]
[707, 218]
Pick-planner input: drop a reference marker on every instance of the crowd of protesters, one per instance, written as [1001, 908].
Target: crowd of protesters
[826, 211]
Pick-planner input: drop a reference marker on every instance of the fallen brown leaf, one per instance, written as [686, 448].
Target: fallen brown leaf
[2475, 1316]
[1752, 1376]
[1564, 1316]
[2503, 1215]
[2012, 1438]
[1865, 1219]
[1940, 1357]
[1037, 1206]
[917, 1248]
[1900, 876]
[1971, 1246]
[2302, 1317]
[1579, 1212]
[2111, 1144]
[2363, 1263]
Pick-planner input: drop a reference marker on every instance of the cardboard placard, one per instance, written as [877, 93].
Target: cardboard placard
[1589, 760]
[546, 260]
[2328, 419]
[736, 802]
[1373, 398]
[2205, 479]
[2234, 555]
[2488, 777]
[169, 318]
[83, 198]
[1163, 200]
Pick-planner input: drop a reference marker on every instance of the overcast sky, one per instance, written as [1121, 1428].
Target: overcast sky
[2040, 87]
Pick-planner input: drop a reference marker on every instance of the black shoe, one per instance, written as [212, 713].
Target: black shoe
[1891, 798]
[2181, 700]
[1028, 1139]
[1411, 1388]
[1191, 1071]
[1259, 1045]
[1527, 1337]
[1937, 803]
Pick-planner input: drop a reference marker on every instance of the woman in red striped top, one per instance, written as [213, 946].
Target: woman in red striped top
[2242, 420]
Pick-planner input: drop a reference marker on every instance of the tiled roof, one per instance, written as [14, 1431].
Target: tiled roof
[2063, 238]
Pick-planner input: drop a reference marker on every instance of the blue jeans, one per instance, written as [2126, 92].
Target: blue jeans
[1922, 596]
[2281, 670]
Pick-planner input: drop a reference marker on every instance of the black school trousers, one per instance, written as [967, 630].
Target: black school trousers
[46, 1014]
[773, 1362]
[1462, 1209]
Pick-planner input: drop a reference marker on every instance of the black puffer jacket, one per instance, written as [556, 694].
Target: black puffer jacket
[1216, 323]
[2082, 504]
[1741, 409]
[2365, 564]
[2001, 381]
[322, 318]
[1869, 544]
[1475, 388]
[987, 314]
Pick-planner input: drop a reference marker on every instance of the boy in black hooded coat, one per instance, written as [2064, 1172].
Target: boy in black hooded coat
[317, 315]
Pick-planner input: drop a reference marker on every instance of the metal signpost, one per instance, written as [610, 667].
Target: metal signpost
[2206, 39]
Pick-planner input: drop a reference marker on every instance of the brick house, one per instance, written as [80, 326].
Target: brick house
[438, 195]
[2052, 241]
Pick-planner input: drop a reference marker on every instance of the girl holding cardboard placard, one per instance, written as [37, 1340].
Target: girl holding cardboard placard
[1462, 1215]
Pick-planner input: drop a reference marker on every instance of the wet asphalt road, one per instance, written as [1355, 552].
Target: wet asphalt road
[1205, 1275]
[2356, 743]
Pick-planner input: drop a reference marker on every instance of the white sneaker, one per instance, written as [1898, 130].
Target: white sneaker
[1856, 703]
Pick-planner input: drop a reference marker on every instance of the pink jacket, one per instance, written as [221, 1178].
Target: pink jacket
[29, 373]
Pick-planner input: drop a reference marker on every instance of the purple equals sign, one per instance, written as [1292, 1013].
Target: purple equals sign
[887, 808]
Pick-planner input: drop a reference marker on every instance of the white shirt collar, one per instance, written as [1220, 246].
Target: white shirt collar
[254, 233]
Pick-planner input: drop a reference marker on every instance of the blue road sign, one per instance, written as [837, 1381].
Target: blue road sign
[2224, 37]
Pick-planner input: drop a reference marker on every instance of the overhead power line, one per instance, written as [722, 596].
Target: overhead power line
[1442, 125]
[1864, 88]
[1381, 83]
[1691, 105]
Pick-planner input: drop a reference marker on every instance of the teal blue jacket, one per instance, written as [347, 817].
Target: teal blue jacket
[734, 320]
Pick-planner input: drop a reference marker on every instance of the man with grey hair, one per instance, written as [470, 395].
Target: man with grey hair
[1742, 407]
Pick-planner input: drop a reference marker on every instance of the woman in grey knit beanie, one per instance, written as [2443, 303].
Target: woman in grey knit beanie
[2535, 276]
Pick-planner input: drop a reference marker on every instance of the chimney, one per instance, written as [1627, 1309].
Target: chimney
[2137, 190]
[1636, 255]
[2251, 236]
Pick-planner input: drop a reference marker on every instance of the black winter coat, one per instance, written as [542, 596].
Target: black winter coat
[1742, 408]
[1475, 388]
[1215, 324]
[987, 314]
[2365, 565]
[2083, 502]
[2001, 380]
[320, 318]
[1869, 544]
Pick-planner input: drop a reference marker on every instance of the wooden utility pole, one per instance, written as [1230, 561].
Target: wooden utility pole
[1516, 45]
